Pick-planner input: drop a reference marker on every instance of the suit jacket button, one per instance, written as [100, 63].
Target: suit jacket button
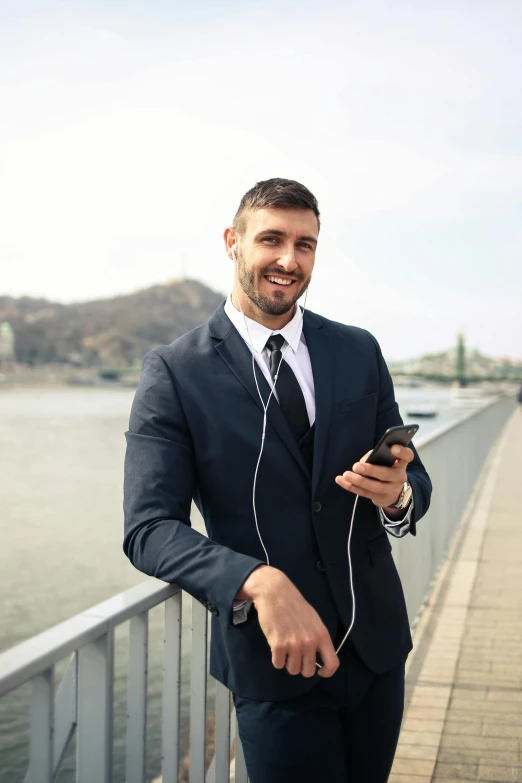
[317, 506]
[320, 566]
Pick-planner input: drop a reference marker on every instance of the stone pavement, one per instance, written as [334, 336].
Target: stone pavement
[463, 717]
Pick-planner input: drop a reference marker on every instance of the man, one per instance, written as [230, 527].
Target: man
[305, 713]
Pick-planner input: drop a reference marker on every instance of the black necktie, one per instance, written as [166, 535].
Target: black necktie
[291, 399]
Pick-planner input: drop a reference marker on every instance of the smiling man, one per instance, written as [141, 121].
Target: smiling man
[271, 291]
[277, 503]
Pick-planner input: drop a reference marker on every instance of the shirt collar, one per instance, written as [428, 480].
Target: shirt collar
[257, 334]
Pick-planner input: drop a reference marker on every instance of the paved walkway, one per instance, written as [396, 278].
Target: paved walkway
[464, 694]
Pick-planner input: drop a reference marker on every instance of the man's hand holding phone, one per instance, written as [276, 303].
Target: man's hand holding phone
[382, 483]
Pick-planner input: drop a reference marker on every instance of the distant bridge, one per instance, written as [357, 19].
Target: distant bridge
[442, 378]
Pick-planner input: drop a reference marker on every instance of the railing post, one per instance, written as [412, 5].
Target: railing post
[198, 692]
[41, 739]
[137, 698]
[171, 690]
[222, 755]
[95, 710]
[240, 764]
[65, 711]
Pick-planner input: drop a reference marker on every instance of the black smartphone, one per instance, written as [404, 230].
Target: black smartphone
[395, 436]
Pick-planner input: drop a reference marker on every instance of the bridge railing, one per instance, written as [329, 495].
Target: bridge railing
[454, 456]
[83, 705]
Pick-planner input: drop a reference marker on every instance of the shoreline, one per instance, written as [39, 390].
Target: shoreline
[51, 380]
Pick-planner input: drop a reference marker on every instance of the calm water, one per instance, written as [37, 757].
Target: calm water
[61, 463]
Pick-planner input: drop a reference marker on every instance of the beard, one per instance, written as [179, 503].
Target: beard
[270, 306]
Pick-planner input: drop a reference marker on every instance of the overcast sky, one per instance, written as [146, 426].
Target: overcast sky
[129, 132]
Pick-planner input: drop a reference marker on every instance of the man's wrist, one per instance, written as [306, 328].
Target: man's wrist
[248, 588]
[259, 582]
[396, 514]
[398, 510]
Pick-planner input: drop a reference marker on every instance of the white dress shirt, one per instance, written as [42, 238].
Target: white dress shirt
[296, 353]
[256, 335]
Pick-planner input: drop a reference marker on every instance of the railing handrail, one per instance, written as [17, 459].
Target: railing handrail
[32, 657]
[444, 428]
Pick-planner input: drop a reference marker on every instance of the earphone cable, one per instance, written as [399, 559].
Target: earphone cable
[265, 408]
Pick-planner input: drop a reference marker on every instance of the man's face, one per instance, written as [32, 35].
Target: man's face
[275, 257]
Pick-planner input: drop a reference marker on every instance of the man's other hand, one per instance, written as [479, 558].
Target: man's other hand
[381, 484]
[292, 627]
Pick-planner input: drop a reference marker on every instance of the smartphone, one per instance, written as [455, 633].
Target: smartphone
[395, 436]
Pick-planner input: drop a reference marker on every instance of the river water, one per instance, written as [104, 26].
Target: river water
[61, 458]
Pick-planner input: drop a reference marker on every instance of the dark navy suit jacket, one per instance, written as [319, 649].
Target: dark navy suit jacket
[195, 433]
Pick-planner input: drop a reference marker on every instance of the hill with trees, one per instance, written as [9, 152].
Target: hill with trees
[114, 332]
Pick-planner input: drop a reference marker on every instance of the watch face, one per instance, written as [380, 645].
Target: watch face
[404, 497]
[407, 495]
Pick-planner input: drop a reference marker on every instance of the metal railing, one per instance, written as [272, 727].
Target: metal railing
[453, 455]
[84, 700]
[84, 703]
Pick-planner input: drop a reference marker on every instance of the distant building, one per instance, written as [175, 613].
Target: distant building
[7, 343]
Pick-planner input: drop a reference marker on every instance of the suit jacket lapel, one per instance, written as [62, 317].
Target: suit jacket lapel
[236, 354]
[320, 348]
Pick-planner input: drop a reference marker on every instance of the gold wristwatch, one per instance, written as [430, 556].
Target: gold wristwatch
[404, 497]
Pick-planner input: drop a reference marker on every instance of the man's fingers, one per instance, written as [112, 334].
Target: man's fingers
[300, 658]
[402, 453]
[278, 656]
[351, 480]
[329, 658]
[378, 473]
[308, 665]
[294, 662]
[353, 488]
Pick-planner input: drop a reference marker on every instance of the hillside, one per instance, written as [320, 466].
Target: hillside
[106, 332]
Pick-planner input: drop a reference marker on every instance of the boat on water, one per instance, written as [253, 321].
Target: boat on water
[422, 410]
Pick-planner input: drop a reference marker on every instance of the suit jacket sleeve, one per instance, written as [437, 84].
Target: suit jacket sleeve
[159, 485]
[388, 416]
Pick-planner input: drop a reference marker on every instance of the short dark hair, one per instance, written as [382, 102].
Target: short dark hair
[275, 192]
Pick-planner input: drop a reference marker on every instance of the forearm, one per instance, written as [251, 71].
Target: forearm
[158, 489]
[170, 550]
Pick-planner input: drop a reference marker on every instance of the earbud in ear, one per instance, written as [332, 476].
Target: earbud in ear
[233, 251]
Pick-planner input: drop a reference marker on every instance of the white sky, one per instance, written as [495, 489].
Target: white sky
[130, 131]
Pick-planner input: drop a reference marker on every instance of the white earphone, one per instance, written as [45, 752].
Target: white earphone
[265, 408]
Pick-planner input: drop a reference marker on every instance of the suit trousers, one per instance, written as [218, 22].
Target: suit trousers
[344, 730]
